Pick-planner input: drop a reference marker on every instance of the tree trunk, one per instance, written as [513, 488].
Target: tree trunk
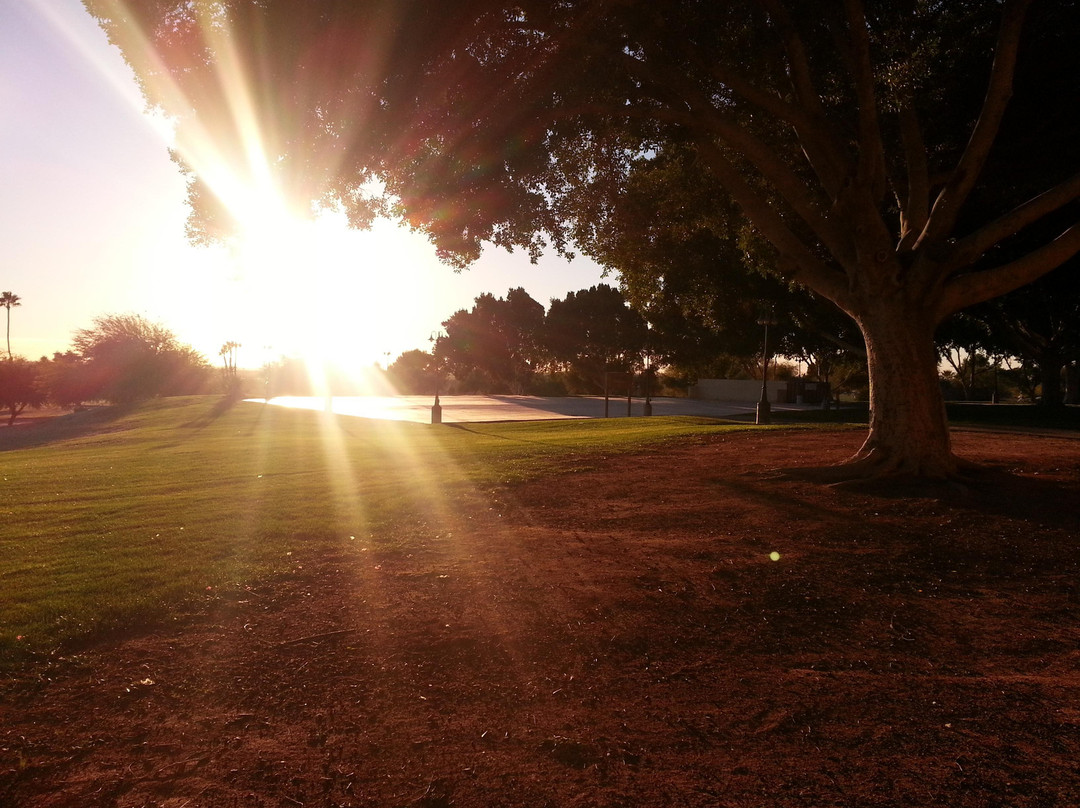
[909, 431]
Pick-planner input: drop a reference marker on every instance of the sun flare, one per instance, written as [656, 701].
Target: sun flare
[317, 290]
[297, 281]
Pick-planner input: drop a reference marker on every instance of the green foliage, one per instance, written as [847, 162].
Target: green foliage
[496, 346]
[593, 331]
[413, 373]
[179, 500]
[20, 387]
[127, 358]
[9, 300]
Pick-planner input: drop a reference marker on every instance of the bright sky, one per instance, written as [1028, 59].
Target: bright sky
[92, 217]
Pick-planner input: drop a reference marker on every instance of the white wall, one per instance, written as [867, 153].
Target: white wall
[736, 390]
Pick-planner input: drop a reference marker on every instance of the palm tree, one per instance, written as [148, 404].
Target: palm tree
[7, 300]
[228, 354]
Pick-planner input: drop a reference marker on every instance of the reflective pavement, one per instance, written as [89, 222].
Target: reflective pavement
[478, 409]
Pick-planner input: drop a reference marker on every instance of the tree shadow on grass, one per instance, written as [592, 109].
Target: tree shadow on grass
[41, 432]
[508, 438]
[220, 408]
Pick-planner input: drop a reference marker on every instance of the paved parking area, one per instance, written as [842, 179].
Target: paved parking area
[478, 409]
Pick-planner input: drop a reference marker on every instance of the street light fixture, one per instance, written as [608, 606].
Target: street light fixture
[764, 411]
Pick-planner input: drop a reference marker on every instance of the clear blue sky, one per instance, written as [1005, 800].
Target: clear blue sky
[92, 217]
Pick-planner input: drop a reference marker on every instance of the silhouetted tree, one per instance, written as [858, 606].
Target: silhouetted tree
[1039, 324]
[9, 300]
[228, 352]
[131, 358]
[594, 331]
[495, 346]
[19, 387]
[67, 379]
[413, 373]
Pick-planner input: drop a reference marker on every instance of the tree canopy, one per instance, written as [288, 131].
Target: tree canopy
[594, 331]
[19, 387]
[495, 345]
[859, 139]
[128, 358]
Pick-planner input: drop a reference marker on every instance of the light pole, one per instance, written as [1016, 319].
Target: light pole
[647, 363]
[267, 351]
[648, 386]
[763, 409]
[436, 408]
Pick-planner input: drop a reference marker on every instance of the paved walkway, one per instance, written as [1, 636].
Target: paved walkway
[476, 409]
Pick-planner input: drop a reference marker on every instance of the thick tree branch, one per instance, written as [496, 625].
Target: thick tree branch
[976, 287]
[805, 267]
[809, 119]
[798, 63]
[871, 169]
[915, 209]
[813, 133]
[695, 111]
[946, 208]
[786, 182]
[842, 344]
[968, 249]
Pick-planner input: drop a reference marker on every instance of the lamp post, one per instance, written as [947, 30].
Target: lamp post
[267, 368]
[436, 408]
[763, 409]
[648, 385]
[647, 368]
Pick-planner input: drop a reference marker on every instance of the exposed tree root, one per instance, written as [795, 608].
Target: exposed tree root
[894, 473]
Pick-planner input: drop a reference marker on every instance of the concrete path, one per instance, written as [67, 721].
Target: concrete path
[478, 409]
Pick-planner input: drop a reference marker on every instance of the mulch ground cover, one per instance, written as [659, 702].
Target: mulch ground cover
[686, 627]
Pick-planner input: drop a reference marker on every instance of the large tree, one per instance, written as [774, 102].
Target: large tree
[495, 346]
[853, 135]
[128, 358]
[593, 332]
[19, 387]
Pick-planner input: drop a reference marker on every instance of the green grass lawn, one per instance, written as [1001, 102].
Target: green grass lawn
[135, 518]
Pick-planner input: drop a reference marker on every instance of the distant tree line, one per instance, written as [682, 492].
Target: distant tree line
[1025, 345]
[120, 359]
[670, 323]
[582, 342]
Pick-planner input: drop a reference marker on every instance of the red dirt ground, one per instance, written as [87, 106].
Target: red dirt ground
[616, 636]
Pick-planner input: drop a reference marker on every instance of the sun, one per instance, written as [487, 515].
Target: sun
[317, 290]
[302, 284]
